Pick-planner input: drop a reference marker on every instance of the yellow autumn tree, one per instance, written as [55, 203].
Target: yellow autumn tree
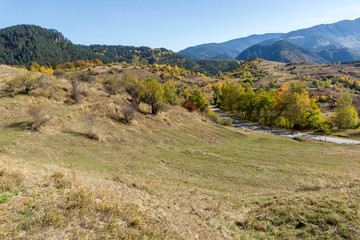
[345, 114]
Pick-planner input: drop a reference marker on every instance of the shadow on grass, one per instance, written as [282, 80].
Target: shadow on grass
[91, 135]
[20, 125]
[76, 134]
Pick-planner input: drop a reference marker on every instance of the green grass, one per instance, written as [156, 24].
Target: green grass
[228, 160]
[6, 196]
[190, 177]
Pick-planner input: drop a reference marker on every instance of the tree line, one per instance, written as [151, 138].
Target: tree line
[24, 44]
[289, 106]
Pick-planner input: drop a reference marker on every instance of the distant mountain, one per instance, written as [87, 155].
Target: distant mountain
[336, 36]
[343, 34]
[23, 44]
[281, 51]
[226, 50]
[340, 55]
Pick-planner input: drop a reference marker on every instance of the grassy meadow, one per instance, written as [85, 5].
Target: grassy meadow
[175, 175]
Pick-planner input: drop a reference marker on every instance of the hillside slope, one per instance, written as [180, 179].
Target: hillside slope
[280, 51]
[175, 175]
[340, 55]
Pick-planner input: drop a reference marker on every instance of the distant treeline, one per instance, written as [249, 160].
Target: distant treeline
[24, 44]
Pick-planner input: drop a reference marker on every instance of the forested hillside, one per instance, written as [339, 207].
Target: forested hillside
[281, 51]
[23, 44]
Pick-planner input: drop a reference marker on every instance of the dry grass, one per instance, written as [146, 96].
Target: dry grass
[65, 206]
[175, 175]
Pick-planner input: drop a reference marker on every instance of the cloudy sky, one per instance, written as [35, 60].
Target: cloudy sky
[172, 24]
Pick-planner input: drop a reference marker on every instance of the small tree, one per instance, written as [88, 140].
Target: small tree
[346, 115]
[152, 93]
[199, 100]
[326, 127]
[170, 95]
[217, 93]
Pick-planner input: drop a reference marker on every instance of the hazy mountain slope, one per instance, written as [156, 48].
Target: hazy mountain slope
[343, 34]
[230, 48]
[340, 55]
[281, 51]
[327, 36]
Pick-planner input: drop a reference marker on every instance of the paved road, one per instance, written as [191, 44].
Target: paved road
[238, 123]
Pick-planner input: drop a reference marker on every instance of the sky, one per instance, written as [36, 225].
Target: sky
[172, 24]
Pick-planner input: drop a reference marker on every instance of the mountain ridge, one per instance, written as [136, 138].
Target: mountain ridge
[217, 49]
[338, 35]
[281, 51]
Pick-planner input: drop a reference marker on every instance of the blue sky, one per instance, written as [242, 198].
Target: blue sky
[172, 24]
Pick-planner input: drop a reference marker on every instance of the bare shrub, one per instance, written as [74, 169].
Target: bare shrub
[113, 85]
[90, 118]
[39, 118]
[75, 90]
[93, 135]
[86, 76]
[59, 73]
[10, 87]
[129, 112]
[124, 114]
[28, 81]
[23, 82]
[48, 86]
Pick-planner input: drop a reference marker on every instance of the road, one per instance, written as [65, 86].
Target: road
[238, 123]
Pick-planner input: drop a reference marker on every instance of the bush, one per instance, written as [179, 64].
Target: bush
[90, 118]
[86, 76]
[190, 106]
[199, 100]
[39, 118]
[10, 87]
[22, 82]
[227, 122]
[113, 85]
[59, 73]
[295, 72]
[75, 90]
[213, 116]
[129, 112]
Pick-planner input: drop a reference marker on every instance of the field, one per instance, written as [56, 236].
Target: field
[175, 175]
